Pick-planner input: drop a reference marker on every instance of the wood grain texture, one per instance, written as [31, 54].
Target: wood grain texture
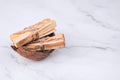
[33, 32]
[47, 43]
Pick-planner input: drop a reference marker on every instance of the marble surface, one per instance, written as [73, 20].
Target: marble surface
[92, 32]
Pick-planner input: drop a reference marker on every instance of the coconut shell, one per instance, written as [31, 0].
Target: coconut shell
[33, 55]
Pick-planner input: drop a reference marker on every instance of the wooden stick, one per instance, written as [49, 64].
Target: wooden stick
[47, 43]
[34, 32]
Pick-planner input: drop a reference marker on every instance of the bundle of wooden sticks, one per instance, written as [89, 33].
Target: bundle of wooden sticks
[37, 37]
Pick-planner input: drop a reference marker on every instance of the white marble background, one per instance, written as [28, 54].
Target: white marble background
[92, 32]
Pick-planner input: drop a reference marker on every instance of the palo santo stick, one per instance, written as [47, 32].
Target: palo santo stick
[47, 43]
[33, 32]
